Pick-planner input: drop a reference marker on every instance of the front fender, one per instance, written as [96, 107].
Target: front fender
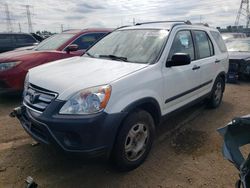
[124, 102]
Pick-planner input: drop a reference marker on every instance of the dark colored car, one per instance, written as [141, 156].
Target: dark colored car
[15, 64]
[239, 56]
[11, 41]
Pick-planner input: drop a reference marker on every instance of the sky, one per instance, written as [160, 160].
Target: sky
[53, 15]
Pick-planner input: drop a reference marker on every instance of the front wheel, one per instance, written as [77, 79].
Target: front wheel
[217, 93]
[134, 140]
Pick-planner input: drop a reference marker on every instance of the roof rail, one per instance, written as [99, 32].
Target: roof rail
[204, 24]
[123, 26]
[170, 21]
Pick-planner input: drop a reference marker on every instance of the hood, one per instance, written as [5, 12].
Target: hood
[22, 55]
[74, 74]
[24, 48]
[239, 55]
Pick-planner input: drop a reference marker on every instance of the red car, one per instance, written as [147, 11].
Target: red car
[15, 64]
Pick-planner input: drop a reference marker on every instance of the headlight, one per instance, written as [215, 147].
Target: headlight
[8, 65]
[88, 101]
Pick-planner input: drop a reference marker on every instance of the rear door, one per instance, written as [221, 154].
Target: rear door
[205, 58]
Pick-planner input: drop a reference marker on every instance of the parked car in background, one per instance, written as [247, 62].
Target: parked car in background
[239, 57]
[227, 36]
[11, 41]
[15, 64]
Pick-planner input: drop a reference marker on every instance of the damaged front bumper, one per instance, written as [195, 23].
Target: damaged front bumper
[92, 135]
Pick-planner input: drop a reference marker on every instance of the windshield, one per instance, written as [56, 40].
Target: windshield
[238, 45]
[138, 46]
[54, 42]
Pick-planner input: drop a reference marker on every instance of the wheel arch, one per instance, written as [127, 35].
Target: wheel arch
[148, 104]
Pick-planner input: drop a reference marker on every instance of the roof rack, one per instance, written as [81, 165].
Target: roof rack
[123, 26]
[204, 24]
[170, 21]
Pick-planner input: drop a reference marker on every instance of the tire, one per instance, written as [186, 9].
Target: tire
[134, 141]
[217, 93]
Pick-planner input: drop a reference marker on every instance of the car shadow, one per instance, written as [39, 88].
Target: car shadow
[10, 98]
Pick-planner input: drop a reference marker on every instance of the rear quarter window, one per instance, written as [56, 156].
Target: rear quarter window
[219, 41]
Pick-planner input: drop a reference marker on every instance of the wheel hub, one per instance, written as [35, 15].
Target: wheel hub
[218, 92]
[136, 141]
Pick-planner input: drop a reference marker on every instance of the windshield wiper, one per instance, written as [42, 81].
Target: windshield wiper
[113, 57]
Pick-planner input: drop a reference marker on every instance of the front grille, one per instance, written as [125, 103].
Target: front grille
[241, 63]
[37, 98]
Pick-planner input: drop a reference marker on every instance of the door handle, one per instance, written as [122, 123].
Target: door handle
[217, 61]
[195, 67]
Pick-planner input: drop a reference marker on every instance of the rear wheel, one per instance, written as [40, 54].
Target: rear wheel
[134, 140]
[217, 93]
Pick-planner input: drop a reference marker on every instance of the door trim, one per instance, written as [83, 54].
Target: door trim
[187, 92]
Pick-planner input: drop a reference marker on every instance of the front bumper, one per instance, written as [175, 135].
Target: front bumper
[4, 88]
[12, 80]
[90, 134]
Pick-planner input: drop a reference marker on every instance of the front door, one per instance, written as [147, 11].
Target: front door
[181, 83]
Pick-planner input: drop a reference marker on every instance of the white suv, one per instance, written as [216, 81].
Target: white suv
[111, 99]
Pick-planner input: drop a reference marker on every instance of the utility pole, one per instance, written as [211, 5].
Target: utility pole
[133, 21]
[243, 12]
[8, 20]
[61, 27]
[20, 29]
[29, 18]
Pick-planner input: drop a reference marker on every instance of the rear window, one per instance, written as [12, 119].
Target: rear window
[219, 41]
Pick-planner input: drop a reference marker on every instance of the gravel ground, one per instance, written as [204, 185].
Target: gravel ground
[186, 153]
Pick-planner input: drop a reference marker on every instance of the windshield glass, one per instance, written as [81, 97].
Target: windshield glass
[238, 45]
[54, 42]
[138, 46]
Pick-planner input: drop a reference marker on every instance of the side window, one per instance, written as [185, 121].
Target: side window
[87, 40]
[24, 39]
[182, 43]
[219, 41]
[6, 40]
[204, 44]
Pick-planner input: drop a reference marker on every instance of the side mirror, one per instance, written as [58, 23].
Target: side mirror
[71, 48]
[179, 59]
